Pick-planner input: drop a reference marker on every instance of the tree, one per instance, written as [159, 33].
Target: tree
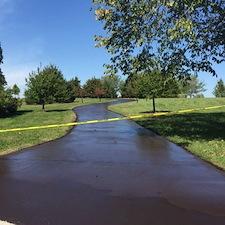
[219, 90]
[192, 87]
[2, 77]
[15, 90]
[90, 87]
[111, 85]
[8, 103]
[130, 89]
[82, 94]
[73, 87]
[183, 36]
[46, 85]
[151, 85]
[155, 85]
[99, 93]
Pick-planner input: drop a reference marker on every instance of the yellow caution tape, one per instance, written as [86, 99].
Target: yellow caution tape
[110, 120]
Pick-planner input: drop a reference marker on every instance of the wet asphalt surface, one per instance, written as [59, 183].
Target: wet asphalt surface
[114, 173]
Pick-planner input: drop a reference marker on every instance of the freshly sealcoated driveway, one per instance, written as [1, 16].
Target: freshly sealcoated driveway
[114, 173]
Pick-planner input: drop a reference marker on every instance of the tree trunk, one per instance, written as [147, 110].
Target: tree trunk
[43, 106]
[153, 102]
[137, 100]
[82, 100]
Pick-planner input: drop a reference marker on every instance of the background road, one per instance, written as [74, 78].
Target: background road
[110, 174]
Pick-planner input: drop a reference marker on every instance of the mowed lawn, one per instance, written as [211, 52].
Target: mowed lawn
[202, 132]
[32, 115]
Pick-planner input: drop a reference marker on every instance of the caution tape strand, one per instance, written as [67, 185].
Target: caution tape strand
[109, 120]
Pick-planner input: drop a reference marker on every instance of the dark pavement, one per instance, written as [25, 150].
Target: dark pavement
[110, 174]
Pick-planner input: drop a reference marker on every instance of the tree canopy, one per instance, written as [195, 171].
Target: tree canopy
[91, 86]
[111, 85]
[219, 90]
[8, 102]
[178, 36]
[46, 85]
[73, 88]
[192, 87]
[2, 77]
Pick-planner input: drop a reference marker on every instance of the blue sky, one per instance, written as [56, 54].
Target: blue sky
[58, 32]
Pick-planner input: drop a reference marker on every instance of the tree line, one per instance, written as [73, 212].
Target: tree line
[48, 85]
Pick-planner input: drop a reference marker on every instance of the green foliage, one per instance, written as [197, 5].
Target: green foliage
[91, 86]
[219, 90]
[152, 84]
[46, 85]
[192, 87]
[15, 90]
[2, 77]
[182, 36]
[111, 85]
[73, 88]
[8, 103]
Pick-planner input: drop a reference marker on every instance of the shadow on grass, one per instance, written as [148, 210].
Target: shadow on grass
[18, 113]
[147, 112]
[192, 127]
[57, 110]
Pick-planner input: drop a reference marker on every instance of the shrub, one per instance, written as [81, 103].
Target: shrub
[8, 103]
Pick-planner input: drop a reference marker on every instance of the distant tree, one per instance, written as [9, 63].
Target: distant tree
[192, 87]
[15, 90]
[199, 96]
[8, 103]
[219, 90]
[130, 88]
[151, 85]
[46, 85]
[82, 94]
[111, 85]
[2, 77]
[171, 87]
[73, 88]
[90, 87]
[99, 93]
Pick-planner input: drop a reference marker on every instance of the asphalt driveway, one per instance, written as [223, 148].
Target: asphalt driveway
[114, 173]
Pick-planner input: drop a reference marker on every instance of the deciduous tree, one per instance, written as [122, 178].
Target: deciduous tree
[73, 88]
[46, 85]
[91, 85]
[183, 36]
[99, 93]
[111, 85]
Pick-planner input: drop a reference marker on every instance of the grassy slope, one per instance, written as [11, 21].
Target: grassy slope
[32, 115]
[202, 133]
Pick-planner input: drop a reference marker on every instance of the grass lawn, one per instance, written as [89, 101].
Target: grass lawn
[32, 115]
[202, 132]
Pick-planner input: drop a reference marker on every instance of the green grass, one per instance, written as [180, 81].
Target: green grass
[32, 115]
[202, 132]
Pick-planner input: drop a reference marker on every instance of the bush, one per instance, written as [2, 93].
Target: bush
[8, 103]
